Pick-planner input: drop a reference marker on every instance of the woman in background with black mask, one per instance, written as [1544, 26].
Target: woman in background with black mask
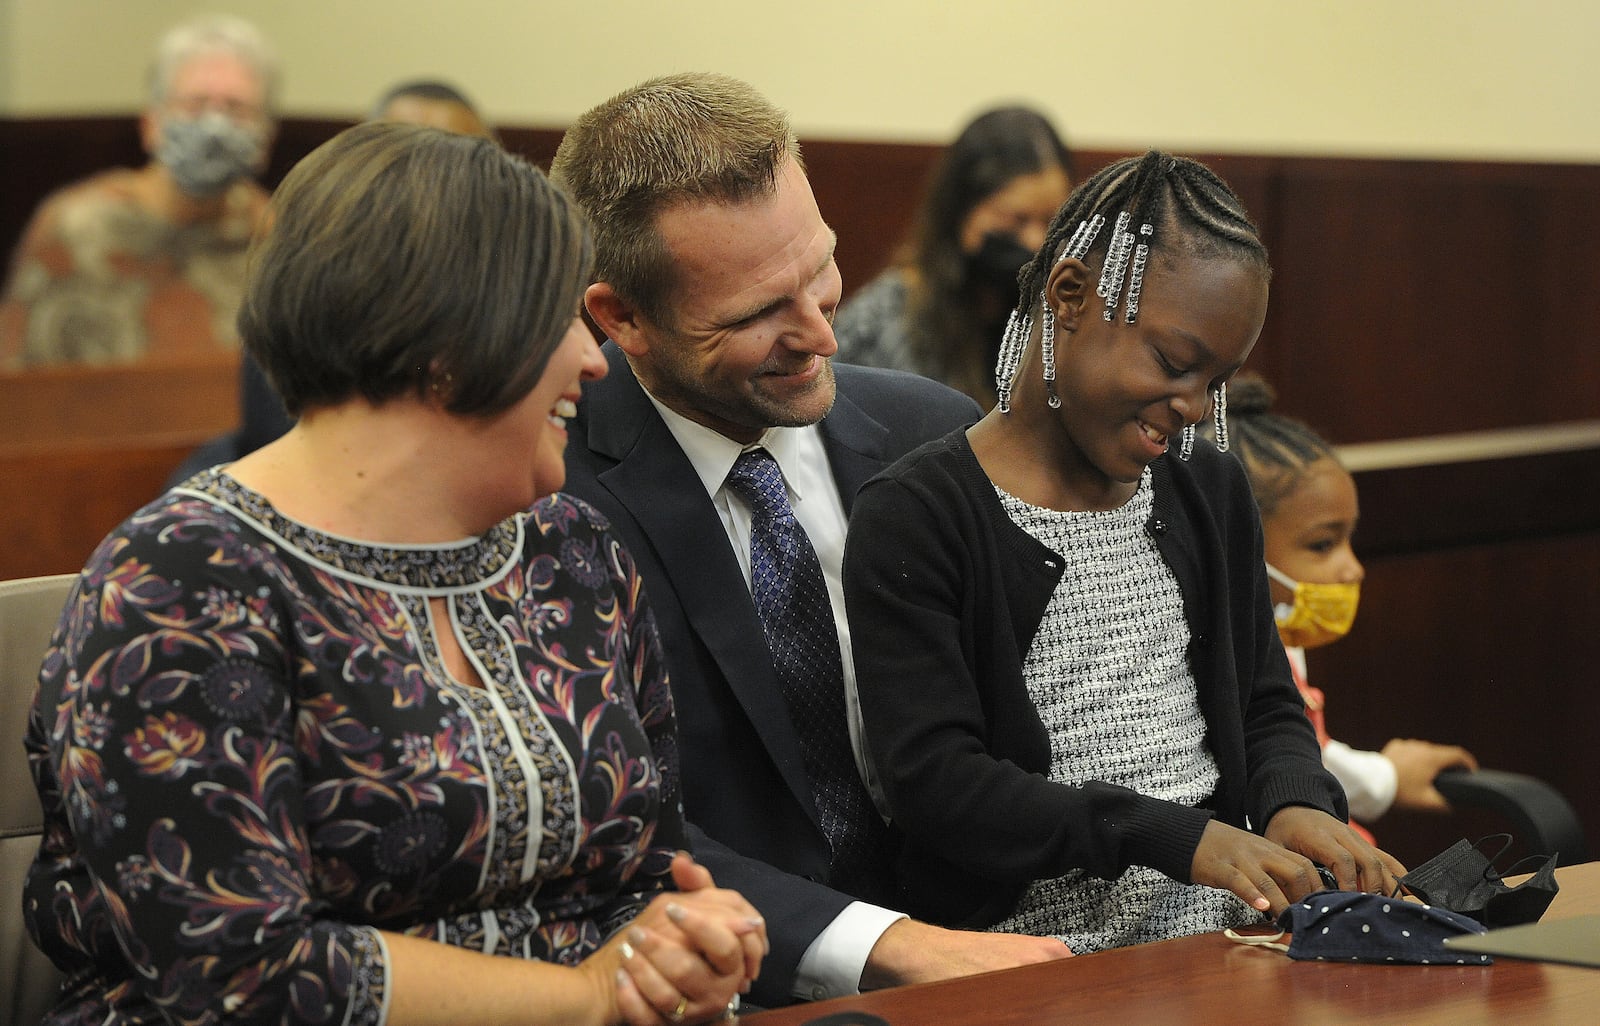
[941, 308]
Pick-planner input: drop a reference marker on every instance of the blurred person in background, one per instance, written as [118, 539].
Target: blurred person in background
[149, 262]
[940, 310]
[433, 103]
[262, 419]
[1309, 513]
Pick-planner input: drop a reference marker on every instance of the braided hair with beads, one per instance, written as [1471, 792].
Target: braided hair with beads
[1151, 203]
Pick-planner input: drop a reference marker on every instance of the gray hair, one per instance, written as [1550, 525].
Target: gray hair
[214, 33]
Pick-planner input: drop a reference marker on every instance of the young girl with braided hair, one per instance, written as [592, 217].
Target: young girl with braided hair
[1308, 515]
[1074, 695]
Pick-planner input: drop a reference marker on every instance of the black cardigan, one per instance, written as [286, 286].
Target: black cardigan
[944, 594]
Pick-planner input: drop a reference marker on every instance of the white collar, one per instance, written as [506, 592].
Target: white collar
[712, 454]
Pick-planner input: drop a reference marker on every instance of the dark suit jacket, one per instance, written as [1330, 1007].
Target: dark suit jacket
[744, 783]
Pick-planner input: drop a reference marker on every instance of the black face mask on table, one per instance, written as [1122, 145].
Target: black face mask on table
[1462, 879]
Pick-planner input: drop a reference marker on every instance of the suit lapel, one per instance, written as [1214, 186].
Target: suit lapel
[856, 444]
[657, 485]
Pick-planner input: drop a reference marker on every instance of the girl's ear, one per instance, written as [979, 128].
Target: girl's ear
[1068, 292]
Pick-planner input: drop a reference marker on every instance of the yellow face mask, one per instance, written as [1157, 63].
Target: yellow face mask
[1319, 614]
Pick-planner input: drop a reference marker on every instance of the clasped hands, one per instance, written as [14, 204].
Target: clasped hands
[1268, 872]
[687, 955]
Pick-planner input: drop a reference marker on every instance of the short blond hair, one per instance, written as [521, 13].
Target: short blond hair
[678, 138]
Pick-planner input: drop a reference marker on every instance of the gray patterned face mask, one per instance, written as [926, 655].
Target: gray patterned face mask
[206, 154]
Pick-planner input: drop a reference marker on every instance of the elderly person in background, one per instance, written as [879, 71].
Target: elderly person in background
[324, 729]
[135, 263]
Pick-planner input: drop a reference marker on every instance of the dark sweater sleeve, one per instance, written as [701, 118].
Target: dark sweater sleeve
[1285, 767]
[960, 751]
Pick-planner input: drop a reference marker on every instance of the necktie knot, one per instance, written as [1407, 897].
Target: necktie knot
[757, 479]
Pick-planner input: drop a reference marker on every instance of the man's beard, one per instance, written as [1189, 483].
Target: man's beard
[681, 387]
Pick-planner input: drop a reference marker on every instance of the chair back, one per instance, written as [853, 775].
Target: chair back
[29, 609]
[1541, 818]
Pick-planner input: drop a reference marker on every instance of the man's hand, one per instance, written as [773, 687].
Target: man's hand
[1416, 763]
[913, 952]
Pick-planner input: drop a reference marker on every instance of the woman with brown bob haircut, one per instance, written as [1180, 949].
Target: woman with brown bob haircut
[324, 728]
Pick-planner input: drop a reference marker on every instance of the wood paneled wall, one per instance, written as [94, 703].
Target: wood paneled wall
[1410, 298]
[82, 447]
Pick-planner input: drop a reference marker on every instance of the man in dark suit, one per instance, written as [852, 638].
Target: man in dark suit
[716, 286]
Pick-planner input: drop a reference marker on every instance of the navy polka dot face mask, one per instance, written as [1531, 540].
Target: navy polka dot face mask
[1349, 926]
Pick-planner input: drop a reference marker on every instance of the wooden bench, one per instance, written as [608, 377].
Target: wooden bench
[83, 447]
[68, 405]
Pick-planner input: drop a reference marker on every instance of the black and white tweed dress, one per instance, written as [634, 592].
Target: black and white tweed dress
[1108, 673]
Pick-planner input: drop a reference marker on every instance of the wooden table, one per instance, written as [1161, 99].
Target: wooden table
[1210, 979]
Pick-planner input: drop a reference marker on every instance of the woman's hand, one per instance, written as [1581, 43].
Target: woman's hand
[687, 956]
[1262, 872]
[693, 878]
[1355, 864]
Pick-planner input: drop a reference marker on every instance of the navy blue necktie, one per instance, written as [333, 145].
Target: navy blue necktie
[791, 599]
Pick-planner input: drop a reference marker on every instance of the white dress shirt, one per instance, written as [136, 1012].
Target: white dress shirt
[832, 965]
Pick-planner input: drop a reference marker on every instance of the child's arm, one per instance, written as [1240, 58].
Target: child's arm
[1294, 801]
[1402, 774]
[1282, 757]
[1369, 780]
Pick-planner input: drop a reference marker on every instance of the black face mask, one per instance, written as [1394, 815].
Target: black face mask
[997, 261]
[1462, 880]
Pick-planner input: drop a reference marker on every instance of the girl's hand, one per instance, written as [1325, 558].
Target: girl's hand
[1355, 864]
[1263, 873]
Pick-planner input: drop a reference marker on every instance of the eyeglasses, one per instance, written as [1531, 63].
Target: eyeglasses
[236, 110]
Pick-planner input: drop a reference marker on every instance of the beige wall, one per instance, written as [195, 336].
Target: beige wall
[1430, 78]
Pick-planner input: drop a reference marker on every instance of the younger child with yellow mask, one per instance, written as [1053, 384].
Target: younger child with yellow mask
[1308, 513]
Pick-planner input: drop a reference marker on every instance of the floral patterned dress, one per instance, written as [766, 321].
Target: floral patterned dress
[252, 760]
